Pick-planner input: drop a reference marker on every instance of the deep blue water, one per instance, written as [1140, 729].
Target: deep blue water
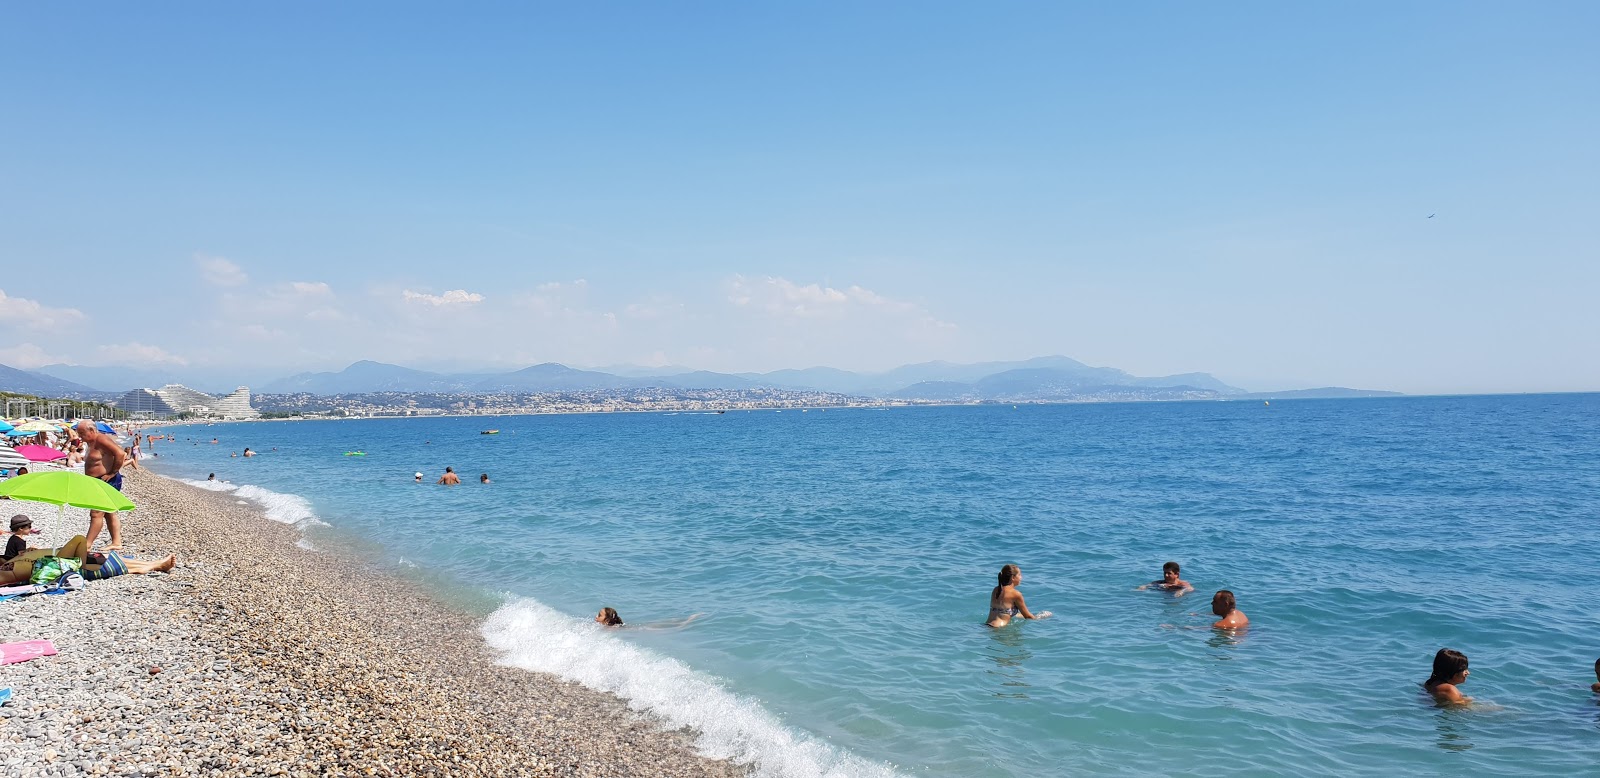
[844, 560]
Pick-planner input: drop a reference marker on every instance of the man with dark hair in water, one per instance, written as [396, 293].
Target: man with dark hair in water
[449, 478]
[103, 460]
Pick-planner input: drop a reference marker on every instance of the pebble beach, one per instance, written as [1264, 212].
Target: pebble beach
[256, 657]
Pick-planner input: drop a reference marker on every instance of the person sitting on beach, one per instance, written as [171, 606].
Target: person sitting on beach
[449, 478]
[483, 479]
[1170, 581]
[1449, 671]
[21, 528]
[1005, 602]
[22, 470]
[1223, 604]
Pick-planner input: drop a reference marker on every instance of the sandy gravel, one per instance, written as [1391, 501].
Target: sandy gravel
[255, 657]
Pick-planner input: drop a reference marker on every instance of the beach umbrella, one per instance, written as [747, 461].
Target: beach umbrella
[5, 426]
[20, 434]
[37, 426]
[10, 459]
[104, 427]
[39, 453]
[64, 487]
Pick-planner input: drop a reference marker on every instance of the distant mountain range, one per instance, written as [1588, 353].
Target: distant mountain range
[1041, 379]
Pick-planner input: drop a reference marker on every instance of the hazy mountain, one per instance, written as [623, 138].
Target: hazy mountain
[552, 377]
[1031, 380]
[364, 376]
[1323, 393]
[640, 371]
[29, 382]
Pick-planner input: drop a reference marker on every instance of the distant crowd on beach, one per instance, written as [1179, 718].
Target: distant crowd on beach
[1449, 665]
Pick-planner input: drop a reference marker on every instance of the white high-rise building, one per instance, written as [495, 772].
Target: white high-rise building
[173, 399]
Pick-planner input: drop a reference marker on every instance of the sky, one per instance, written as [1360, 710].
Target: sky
[1368, 194]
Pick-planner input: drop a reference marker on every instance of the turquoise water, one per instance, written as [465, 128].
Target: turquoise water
[844, 560]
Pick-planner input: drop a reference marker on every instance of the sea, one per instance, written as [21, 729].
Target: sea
[840, 561]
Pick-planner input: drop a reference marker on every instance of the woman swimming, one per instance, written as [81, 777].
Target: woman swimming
[1449, 671]
[608, 617]
[1005, 602]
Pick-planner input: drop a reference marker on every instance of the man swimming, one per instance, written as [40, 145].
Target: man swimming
[449, 478]
[1170, 581]
[1223, 604]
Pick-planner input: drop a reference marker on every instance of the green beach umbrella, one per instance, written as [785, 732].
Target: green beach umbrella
[61, 487]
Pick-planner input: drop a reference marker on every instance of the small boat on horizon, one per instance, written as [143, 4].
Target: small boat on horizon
[490, 432]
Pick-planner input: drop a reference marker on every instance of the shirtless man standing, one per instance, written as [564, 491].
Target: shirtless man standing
[103, 460]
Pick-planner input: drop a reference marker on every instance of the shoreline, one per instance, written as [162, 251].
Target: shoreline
[256, 656]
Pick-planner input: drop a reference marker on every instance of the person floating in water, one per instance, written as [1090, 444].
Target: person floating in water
[1223, 604]
[1170, 581]
[1005, 602]
[608, 617]
[449, 478]
[483, 479]
[1449, 671]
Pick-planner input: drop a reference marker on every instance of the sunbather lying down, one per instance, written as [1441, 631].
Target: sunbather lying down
[21, 566]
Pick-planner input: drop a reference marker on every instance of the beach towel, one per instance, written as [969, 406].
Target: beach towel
[12, 653]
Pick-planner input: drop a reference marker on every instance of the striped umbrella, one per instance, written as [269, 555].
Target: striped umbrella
[11, 460]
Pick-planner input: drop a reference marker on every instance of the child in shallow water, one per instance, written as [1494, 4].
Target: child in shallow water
[1170, 581]
[1449, 671]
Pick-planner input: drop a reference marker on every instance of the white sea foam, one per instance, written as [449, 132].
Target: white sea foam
[533, 636]
[280, 507]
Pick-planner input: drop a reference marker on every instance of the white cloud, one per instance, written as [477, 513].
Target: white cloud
[28, 356]
[137, 354]
[310, 289]
[785, 298]
[34, 315]
[220, 271]
[452, 297]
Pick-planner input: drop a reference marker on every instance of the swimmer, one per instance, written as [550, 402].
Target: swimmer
[1170, 581]
[449, 478]
[608, 617]
[418, 479]
[1595, 687]
[248, 452]
[483, 479]
[1005, 602]
[1223, 604]
[1449, 671]
[211, 477]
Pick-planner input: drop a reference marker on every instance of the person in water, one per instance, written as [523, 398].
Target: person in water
[1005, 602]
[449, 478]
[483, 479]
[1449, 671]
[608, 617]
[1170, 581]
[1223, 604]
[1595, 687]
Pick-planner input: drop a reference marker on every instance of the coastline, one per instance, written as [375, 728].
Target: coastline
[257, 657]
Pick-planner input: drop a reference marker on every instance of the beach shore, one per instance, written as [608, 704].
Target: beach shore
[255, 657]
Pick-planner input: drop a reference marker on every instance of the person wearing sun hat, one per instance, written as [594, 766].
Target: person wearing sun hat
[21, 528]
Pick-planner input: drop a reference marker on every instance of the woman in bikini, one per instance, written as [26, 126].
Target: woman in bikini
[1005, 602]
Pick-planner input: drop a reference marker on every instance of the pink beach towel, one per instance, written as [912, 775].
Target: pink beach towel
[12, 653]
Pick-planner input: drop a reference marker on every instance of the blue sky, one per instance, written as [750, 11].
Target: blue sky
[1239, 188]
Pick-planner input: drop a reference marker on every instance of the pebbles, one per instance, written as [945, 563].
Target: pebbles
[255, 657]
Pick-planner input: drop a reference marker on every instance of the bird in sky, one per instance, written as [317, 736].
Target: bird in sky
[1431, 215]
